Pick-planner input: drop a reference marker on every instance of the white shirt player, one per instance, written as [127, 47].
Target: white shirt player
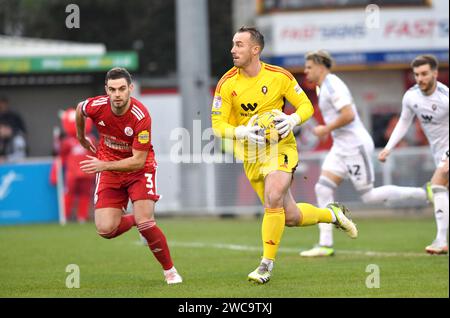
[333, 96]
[432, 112]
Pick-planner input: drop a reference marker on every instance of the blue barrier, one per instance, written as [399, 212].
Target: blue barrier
[26, 195]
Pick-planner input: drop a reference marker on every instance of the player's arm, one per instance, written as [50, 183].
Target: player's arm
[220, 115]
[81, 124]
[400, 130]
[303, 109]
[133, 163]
[346, 116]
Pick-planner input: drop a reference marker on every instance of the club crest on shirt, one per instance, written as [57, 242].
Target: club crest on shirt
[264, 90]
[434, 107]
[128, 131]
[144, 137]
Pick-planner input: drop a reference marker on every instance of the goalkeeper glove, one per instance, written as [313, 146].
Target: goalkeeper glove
[285, 122]
[249, 132]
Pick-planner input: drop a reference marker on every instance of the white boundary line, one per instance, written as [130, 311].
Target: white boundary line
[236, 247]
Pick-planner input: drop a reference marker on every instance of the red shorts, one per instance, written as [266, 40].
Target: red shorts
[113, 190]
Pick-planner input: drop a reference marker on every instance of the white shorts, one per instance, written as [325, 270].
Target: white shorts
[357, 167]
[444, 159]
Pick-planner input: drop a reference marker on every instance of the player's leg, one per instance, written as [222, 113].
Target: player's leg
[334, 213]
[325, 189]
[333, 172]
[69, 197]
[107, 222]
[83, 208]
[360, 168]
[439, 188]
[110, 200]
[142, 191]
[276, 185]
[305, 214]
[84, 191]
[391, 194]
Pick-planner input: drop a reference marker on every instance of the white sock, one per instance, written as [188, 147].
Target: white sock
[326, 234]
[325, 195]
[441, 207]
[391, 193]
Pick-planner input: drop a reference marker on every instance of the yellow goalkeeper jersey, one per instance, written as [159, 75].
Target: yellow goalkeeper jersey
[237, 98]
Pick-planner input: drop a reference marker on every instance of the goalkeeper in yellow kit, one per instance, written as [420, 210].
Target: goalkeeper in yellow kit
[250, 88]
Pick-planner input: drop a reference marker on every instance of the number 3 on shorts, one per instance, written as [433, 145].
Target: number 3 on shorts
[150, 184]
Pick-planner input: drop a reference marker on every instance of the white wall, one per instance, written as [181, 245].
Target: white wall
[165, 111]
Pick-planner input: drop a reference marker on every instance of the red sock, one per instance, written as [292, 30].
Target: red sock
[157, 243]
[68, 200]
[83, 208]
[126, 223]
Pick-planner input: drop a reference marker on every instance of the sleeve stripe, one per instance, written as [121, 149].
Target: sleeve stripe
[83, 108]
[137, 112]
[224, 78]
[280, 70]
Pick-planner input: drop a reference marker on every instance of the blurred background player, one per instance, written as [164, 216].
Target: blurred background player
[250, 88]
[78, 186]
[13, 142]
[352, 150]
[14, 119]
[13, 146]
[125, 166]
[428, 100]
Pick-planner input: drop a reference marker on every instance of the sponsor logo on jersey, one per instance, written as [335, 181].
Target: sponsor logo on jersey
[128, 131]
[217, 103]
[427, 118]
[298, 89]
[144, 137]
[249, 106]
[113, 143]
[101, 123]
[233, 93]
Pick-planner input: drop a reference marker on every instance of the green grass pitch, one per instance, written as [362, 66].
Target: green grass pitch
[214, 257]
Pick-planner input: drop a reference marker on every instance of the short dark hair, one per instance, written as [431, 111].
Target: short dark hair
[116, 73]
[320, 57]
[425, 59]
[255, 35]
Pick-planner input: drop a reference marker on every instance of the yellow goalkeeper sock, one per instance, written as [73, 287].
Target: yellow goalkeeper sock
[312, 215]
[272, 231]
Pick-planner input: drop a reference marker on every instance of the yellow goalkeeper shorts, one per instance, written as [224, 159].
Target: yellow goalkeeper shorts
[286, 160]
